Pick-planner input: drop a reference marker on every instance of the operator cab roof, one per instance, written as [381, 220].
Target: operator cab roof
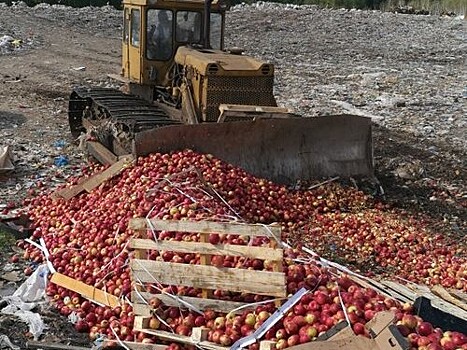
[156, 3]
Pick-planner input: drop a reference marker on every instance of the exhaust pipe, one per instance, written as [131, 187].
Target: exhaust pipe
[207, 24]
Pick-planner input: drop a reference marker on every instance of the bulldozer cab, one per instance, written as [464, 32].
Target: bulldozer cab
[186, 91]
[154, 30]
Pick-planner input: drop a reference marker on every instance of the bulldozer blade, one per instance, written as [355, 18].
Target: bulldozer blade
[283, 150]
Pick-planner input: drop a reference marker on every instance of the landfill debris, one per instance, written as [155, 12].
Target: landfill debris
[5, 343]
[8, 267]
[61, 161]
[6, 163]
[8, 43]
[26, 298]
[11, 276]
[59, 144]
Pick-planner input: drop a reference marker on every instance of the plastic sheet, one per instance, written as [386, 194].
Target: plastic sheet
[6, 343]
[26, 298]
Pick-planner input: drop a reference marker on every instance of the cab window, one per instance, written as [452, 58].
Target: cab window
[125, 27]
[159, 38]
[188, 29]
[215, 38]
[135, 26]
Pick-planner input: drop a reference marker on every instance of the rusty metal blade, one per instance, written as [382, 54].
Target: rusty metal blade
[282, 150]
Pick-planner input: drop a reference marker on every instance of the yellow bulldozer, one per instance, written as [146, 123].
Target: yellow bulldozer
[183, 89]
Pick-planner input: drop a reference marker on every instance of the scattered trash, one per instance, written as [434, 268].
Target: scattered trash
[6, 343]
[5, 40]
[59, 144]
[6, 164]
[26, 298]
[80, 68]
[61, 161]
[11, 276]
[410, 170]
[8, 43]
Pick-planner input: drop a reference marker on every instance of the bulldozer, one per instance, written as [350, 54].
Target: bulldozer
[184, 89]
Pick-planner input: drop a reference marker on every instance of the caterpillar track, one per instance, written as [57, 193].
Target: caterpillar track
[113, 117]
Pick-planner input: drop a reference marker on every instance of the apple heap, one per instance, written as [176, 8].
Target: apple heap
[390, 242]
[422, 335]
[87, 237]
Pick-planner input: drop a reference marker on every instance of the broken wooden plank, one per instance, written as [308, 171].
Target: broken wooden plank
[263, 253]
[399, 290]
[413, 291]
[439, 291]
[108, 173]
[87, 291]
[458, 295]
[140, 224]
[442, 304]
[140, 299]
[70, 192]
[88, 184]
[210, 277]
[67, 192]
[101, 153]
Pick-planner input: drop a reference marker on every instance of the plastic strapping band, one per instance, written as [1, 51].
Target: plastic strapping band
[44, 251]
[270, 322]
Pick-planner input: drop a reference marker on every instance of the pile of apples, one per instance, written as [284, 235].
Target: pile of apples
[390, 242]
[87, 237]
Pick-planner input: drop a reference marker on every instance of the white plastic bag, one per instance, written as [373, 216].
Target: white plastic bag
[26, 298]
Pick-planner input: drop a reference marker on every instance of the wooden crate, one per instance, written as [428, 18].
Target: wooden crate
[443, 308]
[203, 276]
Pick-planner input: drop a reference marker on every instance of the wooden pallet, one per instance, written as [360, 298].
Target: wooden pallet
[203, 276]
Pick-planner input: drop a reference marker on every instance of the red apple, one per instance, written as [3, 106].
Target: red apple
[293, 340]
[424, 328]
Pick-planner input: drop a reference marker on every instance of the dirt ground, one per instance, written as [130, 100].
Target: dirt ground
[66, 47]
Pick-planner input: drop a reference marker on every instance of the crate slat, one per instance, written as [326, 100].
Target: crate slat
[141, 308]
[208, 248]
[210, 277]
[90, 292]
[441, 304]
[458, 295]
[400, 290]
[108, 173]
[140, 224]
[444, 294]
